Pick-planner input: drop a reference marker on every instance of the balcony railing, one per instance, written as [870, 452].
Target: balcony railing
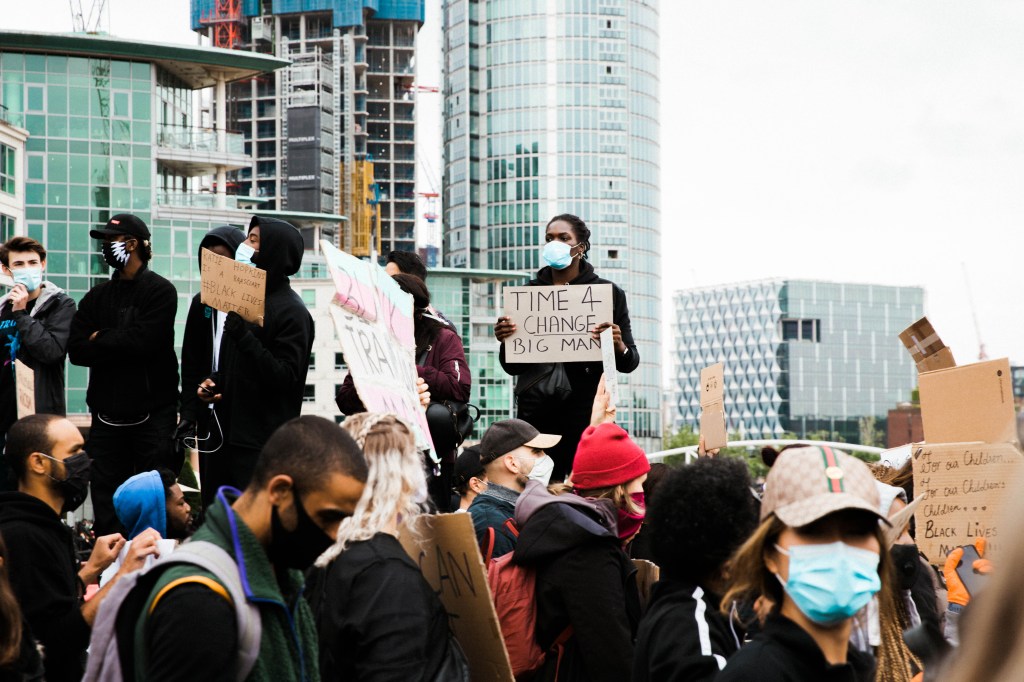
[194, 200]
[198, 139]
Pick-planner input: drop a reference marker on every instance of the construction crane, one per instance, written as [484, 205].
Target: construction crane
[982, 355]
[86, 23]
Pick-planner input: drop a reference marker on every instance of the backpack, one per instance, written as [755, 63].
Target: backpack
[112, 646]
[514, 592]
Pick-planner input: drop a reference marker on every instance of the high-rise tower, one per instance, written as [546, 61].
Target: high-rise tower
[552, 107]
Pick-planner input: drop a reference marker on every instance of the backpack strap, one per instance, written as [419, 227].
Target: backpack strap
[489, 551]
[559, 647]
[510, 526]
[212, 558]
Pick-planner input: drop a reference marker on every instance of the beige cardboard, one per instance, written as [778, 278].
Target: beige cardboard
[647, 573]
[25, 386]
[611, 374]
[228, 285]
[445, 548]
[712, 416]
[964, 487]
[553, 323]
[925, 346]
[969, 403]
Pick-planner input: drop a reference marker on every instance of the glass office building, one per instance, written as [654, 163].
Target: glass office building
[800, 356]
[549, 108]
[111, 129]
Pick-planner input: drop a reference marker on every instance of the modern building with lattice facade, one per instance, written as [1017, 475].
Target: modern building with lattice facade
[800, 356]
[550, 108]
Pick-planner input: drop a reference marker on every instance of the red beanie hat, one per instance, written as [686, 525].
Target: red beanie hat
[607, 457]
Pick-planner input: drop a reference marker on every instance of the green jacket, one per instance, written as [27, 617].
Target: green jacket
[280, 606]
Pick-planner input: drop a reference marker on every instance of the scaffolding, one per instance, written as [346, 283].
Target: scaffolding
[225, 23]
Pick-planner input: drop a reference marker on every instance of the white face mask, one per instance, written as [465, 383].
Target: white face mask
[542, 469]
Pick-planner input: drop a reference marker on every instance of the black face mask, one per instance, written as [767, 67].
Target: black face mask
[115, 254]
[906, 560]
[74, 487]
[298, 548]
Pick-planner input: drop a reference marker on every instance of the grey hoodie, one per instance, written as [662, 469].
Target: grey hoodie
[44, 344]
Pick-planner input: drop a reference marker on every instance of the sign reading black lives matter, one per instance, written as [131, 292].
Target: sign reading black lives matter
[553, 323]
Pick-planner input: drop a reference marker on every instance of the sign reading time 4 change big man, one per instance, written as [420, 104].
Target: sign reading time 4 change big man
[553, 323]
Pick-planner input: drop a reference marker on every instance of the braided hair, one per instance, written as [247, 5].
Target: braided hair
[578, 227]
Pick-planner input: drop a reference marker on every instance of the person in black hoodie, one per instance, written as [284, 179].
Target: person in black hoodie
[567, 241]
[702, 513]
[47, 455]
[35, 320]
[124, 333]
[261, 371]
[200, 352]
[585, 584]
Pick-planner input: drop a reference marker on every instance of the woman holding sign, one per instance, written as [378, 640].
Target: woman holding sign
[557, 398]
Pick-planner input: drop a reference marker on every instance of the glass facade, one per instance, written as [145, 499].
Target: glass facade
[549, 108]
[800, 356]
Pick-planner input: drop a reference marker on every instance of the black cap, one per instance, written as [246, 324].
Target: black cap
[123, 223]
[505, 436]
[468, 465]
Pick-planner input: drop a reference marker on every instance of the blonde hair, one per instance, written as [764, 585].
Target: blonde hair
[395, 483]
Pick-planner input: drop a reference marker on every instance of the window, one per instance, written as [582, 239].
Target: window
[339, 361]
[7, 225]
[309, 393]
[308, 296]
[312, 361]
[801, 330]
[7, 169]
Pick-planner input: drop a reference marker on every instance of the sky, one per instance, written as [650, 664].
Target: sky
[872, 141]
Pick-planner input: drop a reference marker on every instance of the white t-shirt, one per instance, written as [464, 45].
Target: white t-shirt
[163, 547]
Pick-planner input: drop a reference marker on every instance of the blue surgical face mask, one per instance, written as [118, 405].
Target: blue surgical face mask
[557, 254]
[244, 253]
[830, 583]
[31, 277]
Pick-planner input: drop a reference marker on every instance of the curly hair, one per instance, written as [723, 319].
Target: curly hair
[700, 515]
[396, 483]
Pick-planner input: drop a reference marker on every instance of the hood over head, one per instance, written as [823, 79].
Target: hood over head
[559, 522]
[281, 249]
[225, 235]
[140, 504]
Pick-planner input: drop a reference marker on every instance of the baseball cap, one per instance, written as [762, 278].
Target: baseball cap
[468, 465]
[122, 223]
[507, 435]
[811, 482]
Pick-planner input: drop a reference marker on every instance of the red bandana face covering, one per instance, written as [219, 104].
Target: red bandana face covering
[629, 523]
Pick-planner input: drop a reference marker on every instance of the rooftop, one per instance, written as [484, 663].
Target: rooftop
[196, 65]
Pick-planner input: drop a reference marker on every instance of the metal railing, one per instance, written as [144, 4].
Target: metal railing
[691, 450]
[194, 200]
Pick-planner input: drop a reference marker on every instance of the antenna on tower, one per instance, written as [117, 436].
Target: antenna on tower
[982, 355]
[86, 23]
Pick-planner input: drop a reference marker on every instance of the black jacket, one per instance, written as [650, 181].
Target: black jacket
[683, 637]
[263, 370]
[133, 368]
[584, 580]
[43, 344]
[197, 344]
[44, 575]
[785, 652]
[377, 617]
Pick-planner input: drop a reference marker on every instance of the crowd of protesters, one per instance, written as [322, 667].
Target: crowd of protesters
[295, 570]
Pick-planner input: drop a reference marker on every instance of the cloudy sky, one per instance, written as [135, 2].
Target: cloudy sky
[854, 140]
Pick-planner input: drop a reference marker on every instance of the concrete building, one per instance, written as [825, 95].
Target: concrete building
[12, 176]
[334, 131]
[800, 356]
[552, 108]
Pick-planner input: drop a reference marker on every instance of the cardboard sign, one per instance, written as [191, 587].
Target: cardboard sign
[228, 285]
[712, 415]
[611, 375]
[25, 387]
[553, 323]
[445, 548]
[647, 573]
[926, 348]
[969, 403]
[376, 336]
[964, 486]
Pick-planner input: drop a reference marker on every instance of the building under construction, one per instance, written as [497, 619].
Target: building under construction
[334, 132]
